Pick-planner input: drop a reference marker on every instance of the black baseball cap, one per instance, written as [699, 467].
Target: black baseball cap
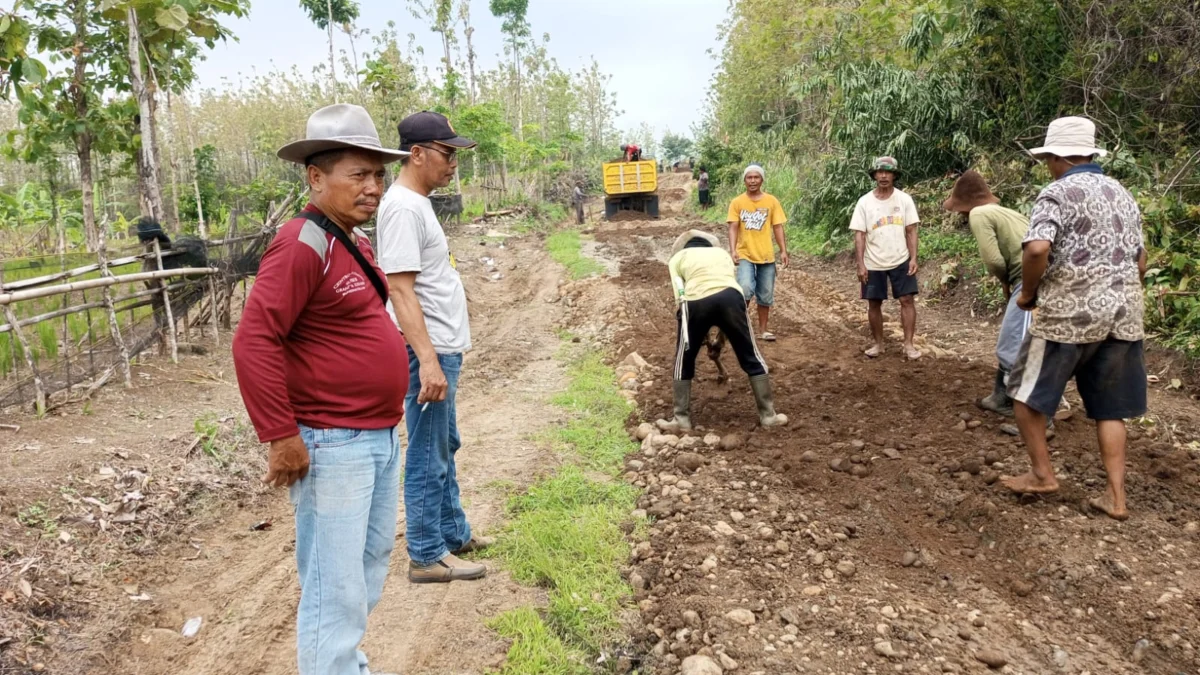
[429, 127]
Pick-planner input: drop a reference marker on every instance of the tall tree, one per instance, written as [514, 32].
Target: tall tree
[464, 15]
[326, 14]
[515, 26]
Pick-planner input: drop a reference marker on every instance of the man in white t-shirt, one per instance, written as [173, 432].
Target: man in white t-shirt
[430, 304]
[885, 247]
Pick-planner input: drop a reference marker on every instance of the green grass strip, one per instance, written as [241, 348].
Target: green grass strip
[564, 533]
[565, 247]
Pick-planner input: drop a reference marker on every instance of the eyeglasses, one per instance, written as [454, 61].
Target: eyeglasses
[451, 155]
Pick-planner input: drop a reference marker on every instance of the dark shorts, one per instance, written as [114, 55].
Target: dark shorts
[1110, 375]
[902, 283]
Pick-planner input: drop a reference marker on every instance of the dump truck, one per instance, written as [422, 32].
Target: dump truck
[630, 186]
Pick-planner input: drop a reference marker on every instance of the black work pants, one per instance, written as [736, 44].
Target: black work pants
[725, 310]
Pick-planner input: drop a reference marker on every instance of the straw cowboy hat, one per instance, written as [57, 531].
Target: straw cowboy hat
[969, 191]
[335, 127]
[1070, 137]
[684, 238]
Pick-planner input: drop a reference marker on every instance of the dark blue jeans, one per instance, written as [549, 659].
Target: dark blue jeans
[436, 523]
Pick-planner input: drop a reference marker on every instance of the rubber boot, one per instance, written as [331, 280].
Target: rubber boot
[683, 404]
[998, 402]
[761, 385]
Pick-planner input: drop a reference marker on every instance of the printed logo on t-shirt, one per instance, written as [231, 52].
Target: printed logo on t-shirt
[756, 219]
[353, 282]
[889, 220]
[453, 262]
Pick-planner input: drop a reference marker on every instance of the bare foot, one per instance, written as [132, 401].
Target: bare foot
[874, 351]
[912, 352]
[1029, 484]
[1110, 506]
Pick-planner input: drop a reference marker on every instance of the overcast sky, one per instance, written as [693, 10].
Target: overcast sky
[656, 50]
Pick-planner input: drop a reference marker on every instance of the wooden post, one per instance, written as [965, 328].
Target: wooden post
[166, 295]
[113, 325]
[212, 310]
[39, 387]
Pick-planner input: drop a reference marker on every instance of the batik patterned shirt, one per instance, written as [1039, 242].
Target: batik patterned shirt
[1092, 288]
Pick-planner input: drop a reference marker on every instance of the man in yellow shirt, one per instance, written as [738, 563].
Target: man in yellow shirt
[754, 216]
[709, 295]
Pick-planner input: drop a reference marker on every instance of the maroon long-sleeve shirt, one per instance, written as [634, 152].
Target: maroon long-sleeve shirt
[315, 344]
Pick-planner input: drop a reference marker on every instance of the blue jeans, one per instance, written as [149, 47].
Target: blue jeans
[757, 281]
[436, 523]
[345, 531]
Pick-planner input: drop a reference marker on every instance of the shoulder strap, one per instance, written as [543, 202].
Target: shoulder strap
[338, 233]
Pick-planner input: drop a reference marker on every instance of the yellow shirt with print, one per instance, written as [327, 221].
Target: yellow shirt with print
[755, 221]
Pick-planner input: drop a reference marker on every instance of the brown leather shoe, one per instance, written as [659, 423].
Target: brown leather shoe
[450, 568]
[477, 543]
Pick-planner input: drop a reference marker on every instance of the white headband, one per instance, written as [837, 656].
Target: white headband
[754, 168]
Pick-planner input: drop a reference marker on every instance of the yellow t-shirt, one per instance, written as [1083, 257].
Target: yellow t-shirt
[701, 271]
[755, 221]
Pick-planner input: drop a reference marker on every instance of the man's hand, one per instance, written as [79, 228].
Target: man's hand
[1007, 291]
[1026, 300]
[733, 254]
[912, 267]
[433, 383]
[287, 462]
[862, 273]
[785, 258]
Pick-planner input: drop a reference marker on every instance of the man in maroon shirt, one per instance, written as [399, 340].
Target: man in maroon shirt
[323, 371]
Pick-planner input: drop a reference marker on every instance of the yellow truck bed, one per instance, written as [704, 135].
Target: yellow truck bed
[624, 178]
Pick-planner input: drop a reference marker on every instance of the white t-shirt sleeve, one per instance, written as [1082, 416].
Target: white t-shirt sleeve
[401, 238]
[858, 221]
[910, 211]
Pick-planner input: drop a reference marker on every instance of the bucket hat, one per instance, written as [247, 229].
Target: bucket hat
[969, 191]
[684, 238]
[341, 125]
[1070, 137]
[884, 164]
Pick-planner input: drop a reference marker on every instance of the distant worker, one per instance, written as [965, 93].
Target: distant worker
[1083, 267]
[708, 295]
[999, 232]
[577, 202]
[632, 152]
[754, 216]
[702, 188]
[885, 247]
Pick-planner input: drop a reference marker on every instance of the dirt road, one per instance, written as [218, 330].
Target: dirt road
[243, 582]
[868, 536]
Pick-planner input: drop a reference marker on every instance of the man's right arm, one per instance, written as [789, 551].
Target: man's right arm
[400, 242]
[1044, 224]
[858, 224]
[402, 290]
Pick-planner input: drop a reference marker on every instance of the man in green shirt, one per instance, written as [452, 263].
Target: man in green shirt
[999, 232]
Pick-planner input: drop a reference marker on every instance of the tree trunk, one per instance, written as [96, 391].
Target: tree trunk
[151, 190]
[470, 64]
[174, 162]
[520, 106]
[54, 214]
[201, 228]
[354, 55]
[83, 141]
[332, 66]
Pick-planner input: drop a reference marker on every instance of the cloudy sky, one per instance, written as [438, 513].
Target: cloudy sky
[658, 51]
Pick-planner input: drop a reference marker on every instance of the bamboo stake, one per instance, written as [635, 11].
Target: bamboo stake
[113, 325]
[78, 271]
[104, 282]
[87, 306]
[39, 387]
[212, 289]
[170, 328]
